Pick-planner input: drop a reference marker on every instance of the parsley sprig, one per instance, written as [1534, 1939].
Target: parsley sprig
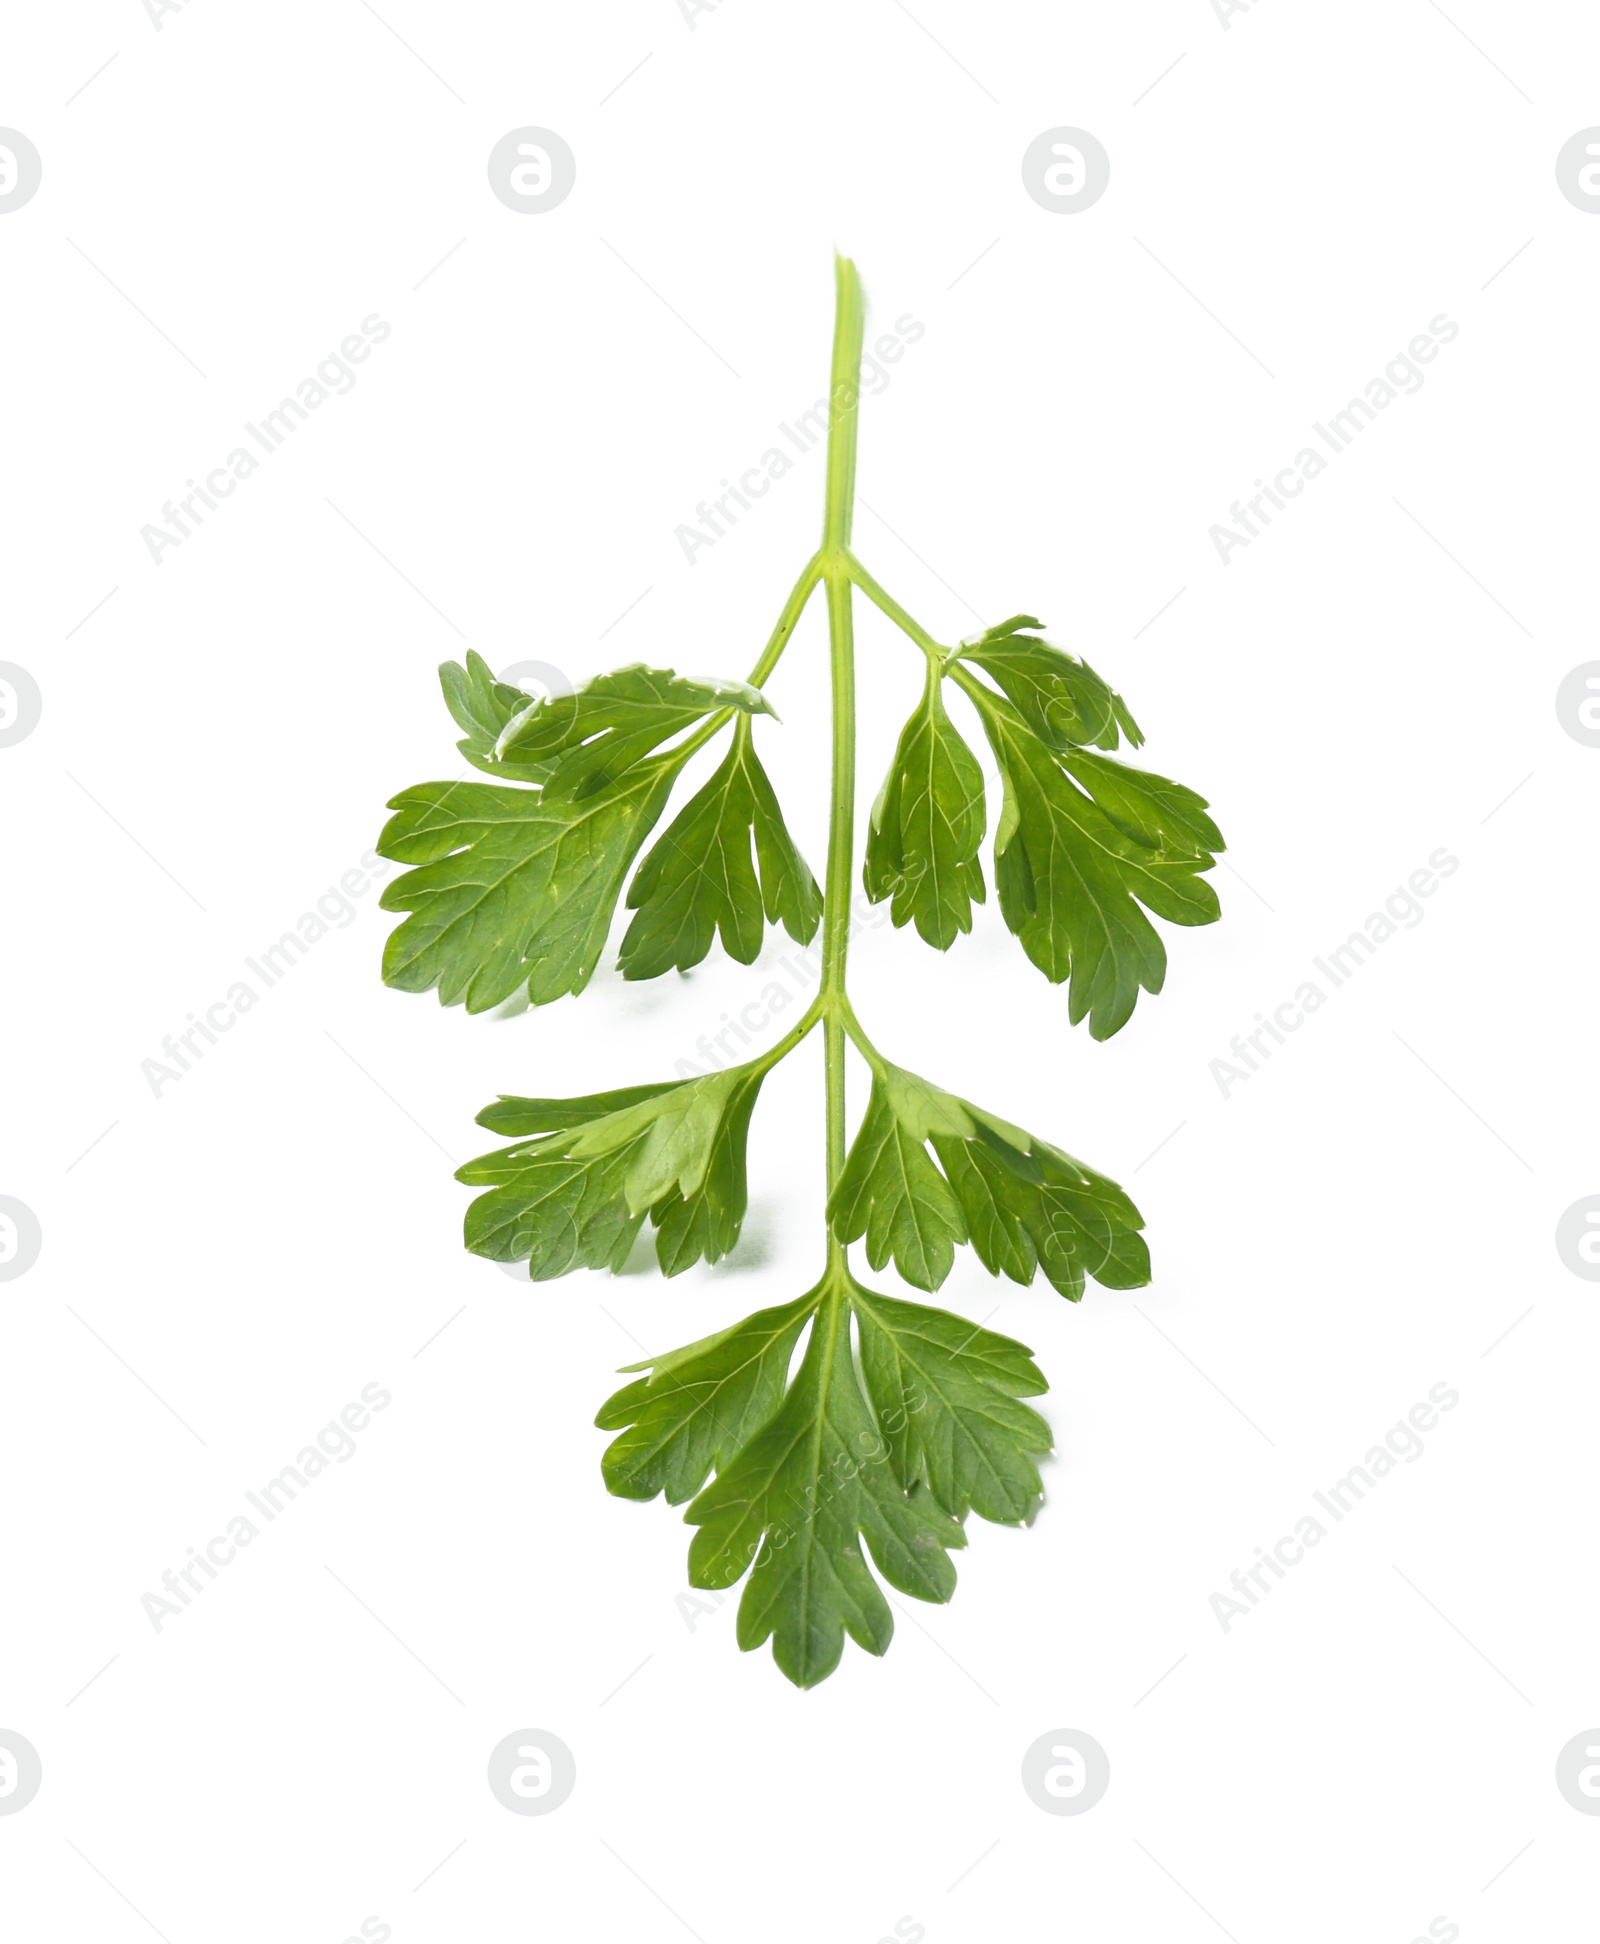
[845, 1417]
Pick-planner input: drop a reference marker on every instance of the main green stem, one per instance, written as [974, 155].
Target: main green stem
[844, 398]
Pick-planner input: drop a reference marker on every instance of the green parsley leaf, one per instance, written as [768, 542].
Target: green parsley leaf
[891, 1193]
[482, 707]
[1072, 881]
[799, 1497]
[550, 1211]
[699, 1405]
[511, 888]
[699, 878]
[1032, 1207]
[926, 827]
[519, 886]
[1151, 809]
[898, 1450]
[1022, 1204]
[946, 1393]
[591, 737]
[703, 1224]
[516, 1114]
[1062, 700]
[574, 1195]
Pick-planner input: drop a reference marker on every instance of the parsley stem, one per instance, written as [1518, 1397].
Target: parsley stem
[857, 1033]
[765, 1062]
[787, 622]
[844, 398]
[882, 598]
[793, 608]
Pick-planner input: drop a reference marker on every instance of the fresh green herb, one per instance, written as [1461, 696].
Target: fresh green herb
[897, 1421]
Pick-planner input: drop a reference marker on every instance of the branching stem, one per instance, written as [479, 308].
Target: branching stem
[787, 621]
[835, 567]
[844, 397]
[881, 597]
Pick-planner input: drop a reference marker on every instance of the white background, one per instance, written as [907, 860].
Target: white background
[1366, 1217]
